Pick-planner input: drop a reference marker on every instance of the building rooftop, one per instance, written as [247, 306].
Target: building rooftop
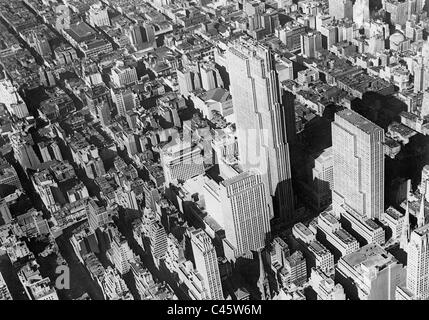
[358, 121]
[370, 255]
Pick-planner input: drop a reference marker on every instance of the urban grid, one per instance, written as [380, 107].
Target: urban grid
[214, 150]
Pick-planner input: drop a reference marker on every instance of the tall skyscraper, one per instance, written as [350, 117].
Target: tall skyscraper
[361, 12]
[142, 36]
[357, 146]
[311, 43]
[340, 9]
[418, 263]
[206, 263]
[261, 119]
[245, 212]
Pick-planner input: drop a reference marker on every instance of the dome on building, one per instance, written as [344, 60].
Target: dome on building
[397, 37]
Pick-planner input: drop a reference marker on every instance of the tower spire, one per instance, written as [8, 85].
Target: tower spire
[405, 236]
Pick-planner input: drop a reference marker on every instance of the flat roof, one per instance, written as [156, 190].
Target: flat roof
[370, 255]
[358, 121]
[80, 31]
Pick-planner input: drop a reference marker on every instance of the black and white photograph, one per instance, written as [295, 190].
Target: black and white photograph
[211, 157]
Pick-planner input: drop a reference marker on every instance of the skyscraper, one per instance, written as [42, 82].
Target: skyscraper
[261, 119]
[206, 263]
[418, 263]
[142, 36]
[340, 9]
[357, 146]
[245, 212]
[361, 12]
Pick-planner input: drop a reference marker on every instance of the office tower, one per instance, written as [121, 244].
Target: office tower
[210, 77]
[158, 241]
[261, 119]
[124, 100]
[97, 94]
[395, 221]
[357, 146]
[370, 273]
[42, 46]
[122, 75]
[206, 263]
[296, 268]
[361, 12]
[98, 15]
[98, 216]
[424, 109]
[245, 212]
[44, 151]
[279, 251]
[63, 17]
[254, 11]
[420, 75]
[142, 36]
[418, 263]
[120, 254]
[47, 79]
[188, 79]
[311, 43]
[103, 113]
[397, 10]
[420, 4]
[322, 177]
[290, 35]
[23, 151]
[341, 9]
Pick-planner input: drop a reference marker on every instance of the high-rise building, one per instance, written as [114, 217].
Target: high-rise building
[341, 9]
[103, 113]
[158, 241]
[357, 146]
[296, 268]
[120, 254]
[261, 119]
[322, 177]
[23, 151]
[98, 216]
[311, 43]
[122, 75]
[370, 273]
[206, 262]
[245, 212]
[98, 15]
[124, 100]
[361, 12]
[418, 263]
[398, 11]
[142, 36]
